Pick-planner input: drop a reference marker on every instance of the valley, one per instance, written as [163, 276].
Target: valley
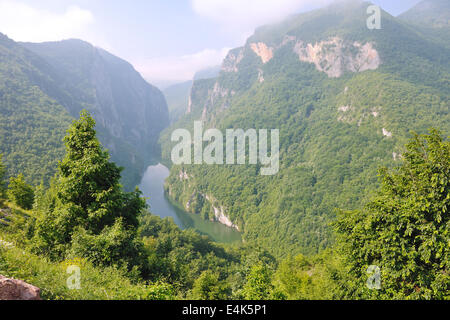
[299, 164]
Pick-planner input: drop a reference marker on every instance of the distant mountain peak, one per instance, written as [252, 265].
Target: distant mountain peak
[429, 13]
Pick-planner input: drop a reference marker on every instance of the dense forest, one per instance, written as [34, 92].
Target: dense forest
[85, 218]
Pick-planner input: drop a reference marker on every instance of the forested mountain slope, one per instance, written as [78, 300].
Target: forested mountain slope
[345, 99]
[177, 95]
[45, 85]
[431, 18]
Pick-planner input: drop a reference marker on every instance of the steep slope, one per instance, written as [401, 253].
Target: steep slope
[431, 18]
[32, 125]
[431, 13]
[177, 97]
[129, 112]
[345, 99]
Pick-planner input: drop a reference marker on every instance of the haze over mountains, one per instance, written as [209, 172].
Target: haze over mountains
[45, 85]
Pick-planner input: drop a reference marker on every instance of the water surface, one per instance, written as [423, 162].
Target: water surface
[152, 186]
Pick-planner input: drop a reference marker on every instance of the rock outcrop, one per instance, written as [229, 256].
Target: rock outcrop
[12, 289]
[336, 56]
[262, 51]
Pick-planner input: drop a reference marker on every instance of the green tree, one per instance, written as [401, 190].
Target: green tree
[86, 203]
[209, 287]
[404, 230]
[259, 283]
[21, 193]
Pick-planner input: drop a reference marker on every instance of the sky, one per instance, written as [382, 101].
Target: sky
[167, 41]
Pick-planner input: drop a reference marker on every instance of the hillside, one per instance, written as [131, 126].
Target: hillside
[431, 13]
[345, 99]
[177, 95]
[53, 82]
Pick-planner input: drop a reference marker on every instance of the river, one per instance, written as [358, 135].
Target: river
[152, 186]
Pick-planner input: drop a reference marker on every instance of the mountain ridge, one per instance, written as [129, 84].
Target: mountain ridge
[129, 112]
[336, 128]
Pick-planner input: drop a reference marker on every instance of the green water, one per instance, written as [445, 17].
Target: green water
[152, 186]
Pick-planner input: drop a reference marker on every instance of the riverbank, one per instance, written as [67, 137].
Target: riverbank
[152, 186]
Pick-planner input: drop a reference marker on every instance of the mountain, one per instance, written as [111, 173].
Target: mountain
[345, 99]
[46, 85]
[430, 13]
[177, 95]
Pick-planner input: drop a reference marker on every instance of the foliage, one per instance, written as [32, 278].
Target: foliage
[20, 193]
[334, 132]
[180, 256]
[2, 179]
[404, 230]
[44, 86]
[32, 124]
[208, 287]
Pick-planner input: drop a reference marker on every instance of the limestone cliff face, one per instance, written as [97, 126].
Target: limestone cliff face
[195, 201]
[127, 106]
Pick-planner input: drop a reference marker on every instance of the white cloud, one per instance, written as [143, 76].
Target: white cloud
[22, 22]
[245, 16]
[166, 70]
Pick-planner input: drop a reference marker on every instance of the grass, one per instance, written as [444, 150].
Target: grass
[97, 283]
